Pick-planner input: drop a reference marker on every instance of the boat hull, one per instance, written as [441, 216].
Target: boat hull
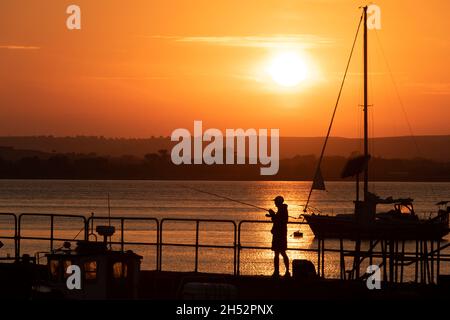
[349, 228]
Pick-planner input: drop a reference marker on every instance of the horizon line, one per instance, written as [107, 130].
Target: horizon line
[168, 137]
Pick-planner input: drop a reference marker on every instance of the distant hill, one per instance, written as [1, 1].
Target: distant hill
[26, 164]
[12, 154]
[435, 148]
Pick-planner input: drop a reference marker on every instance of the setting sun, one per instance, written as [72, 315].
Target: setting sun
[288, 69]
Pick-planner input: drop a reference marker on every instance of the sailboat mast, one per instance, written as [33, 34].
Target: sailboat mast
[366, 129]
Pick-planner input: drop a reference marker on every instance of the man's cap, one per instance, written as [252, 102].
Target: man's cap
[279, 199]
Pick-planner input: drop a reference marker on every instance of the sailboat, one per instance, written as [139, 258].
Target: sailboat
[401, 222]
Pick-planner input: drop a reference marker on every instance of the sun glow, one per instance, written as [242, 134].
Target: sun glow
[288, 69]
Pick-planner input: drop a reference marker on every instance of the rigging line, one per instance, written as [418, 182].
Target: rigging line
[419, 153]
[398, 96]
[334, 112]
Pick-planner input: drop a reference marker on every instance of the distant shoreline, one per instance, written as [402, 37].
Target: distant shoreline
[199, 180]
[32, 164]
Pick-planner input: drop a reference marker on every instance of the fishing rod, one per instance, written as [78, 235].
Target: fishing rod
[226, 198]
[230, 199]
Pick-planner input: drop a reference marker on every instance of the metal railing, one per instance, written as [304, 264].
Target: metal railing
[14, 237]
[240, 247]
[52, 237]
[197, 244]
[420, 259]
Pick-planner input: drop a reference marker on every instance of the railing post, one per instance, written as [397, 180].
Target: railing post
[121, 233]
[416, 272]
[197, 224]
[158, 265]
[160, 243]
[438, 262]
[391, 261]
[422, 272]
[51, 232]
[238, 266]
[318, 256]
[18, 236]
[402, 261]
[342, 259]
[234, 251]
[396, 259]
[86, 229]
[431, 261]
[323, 258]
[16, 239]
[92, 225]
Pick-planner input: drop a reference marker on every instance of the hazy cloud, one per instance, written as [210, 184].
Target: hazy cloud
[18, 47]
[433, 88]
[274, 41]
[127, 78]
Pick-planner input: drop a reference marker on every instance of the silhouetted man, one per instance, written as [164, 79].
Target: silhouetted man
[279, 235]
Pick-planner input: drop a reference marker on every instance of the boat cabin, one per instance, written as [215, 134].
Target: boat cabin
[403, 209]
[103, 273]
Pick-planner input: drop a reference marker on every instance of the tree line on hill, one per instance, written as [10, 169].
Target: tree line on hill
[158, 166]
[430, 147]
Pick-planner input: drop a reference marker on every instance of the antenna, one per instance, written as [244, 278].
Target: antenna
[109, 211]
[107, 231]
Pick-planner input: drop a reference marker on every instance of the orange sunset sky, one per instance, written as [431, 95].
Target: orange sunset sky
[140, 68]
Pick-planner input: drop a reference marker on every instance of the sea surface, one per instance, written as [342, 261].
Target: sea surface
[177, 200]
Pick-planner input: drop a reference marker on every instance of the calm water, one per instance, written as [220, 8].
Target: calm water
[170, 199]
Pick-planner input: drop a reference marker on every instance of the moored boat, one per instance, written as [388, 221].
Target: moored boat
[365, 223]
